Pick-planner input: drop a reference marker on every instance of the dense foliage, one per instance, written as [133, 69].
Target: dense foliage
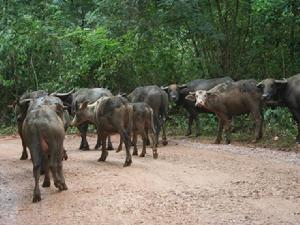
[120, 44]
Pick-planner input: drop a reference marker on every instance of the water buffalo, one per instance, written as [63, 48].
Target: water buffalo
[44, 133]
[157, 99]
[34, 103]
[142, 123]
[73, 100]
[21, 114]
[284, 93]
[229, 99]
[177, 94]
[111, 115]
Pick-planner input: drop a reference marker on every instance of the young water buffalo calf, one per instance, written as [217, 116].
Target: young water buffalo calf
[44, 133]
[230, 99]
[111, 115]
[142, 124]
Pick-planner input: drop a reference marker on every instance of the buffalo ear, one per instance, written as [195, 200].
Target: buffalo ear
[212, 94]
[84, 105]
[59, 109]
[25, 103]
[191, 97]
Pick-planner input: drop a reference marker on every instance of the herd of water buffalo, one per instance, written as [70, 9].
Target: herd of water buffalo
[43, 118]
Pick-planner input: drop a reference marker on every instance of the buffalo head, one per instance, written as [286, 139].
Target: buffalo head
[173, 91]
[271, 88]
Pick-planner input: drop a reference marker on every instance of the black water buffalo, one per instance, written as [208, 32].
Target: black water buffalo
[73, 100]
[44, 133]
[21, 114]
[230, 99]
[110, 115]
[177, 94]
[157, 99]
[142, 124]
[34, 103]
[284, 93]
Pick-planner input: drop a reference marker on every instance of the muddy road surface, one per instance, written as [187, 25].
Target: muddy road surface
[190, 183]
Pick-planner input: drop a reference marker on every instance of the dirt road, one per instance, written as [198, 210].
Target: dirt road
[190, 183]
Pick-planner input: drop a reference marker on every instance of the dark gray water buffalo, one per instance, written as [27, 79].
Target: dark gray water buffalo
[44, 133]
[21, 114]
[73, 100]
[32, 104]
[157, 99]
[284, 93]
[177, 94]
[111, 115]
[230, 99]
[142, 124]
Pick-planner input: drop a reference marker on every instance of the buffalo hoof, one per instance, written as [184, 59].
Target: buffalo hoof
[84, 147]
[97, 147]
[24, 157]
[254, 141]
[36, 198]
[59, 185]
[142, 155]
[46, 183]
[64, 187]
[227, 142]
[127, 163]
[110, 147]
[135, 152]
[155, 155]
[65, 155]
[188, 133]
[217, 142]
[103, 157]
[148, 142]
[164, 142]
[119, 149]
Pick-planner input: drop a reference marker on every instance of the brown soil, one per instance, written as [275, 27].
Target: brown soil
[190, 183]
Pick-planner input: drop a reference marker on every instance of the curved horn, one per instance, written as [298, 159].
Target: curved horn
[62, 94]
[164, 88]
[284, 81]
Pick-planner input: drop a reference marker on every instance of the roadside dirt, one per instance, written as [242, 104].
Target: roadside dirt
[190, 183]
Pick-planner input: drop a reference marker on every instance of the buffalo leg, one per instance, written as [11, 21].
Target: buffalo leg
[61, 175]
[84, 145]
[164, 136]
[36, 192]
[104, 151]
[98, 144]
[197, 126]
[127, 143]
[148, 141]
[134, 142]
[227, 124]
[258, 117]
[24, 152]
[190, 123]
[46, 182]
[120, 145]
[220, 131]
[109, 144]
[154, 149]
[296, 116]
